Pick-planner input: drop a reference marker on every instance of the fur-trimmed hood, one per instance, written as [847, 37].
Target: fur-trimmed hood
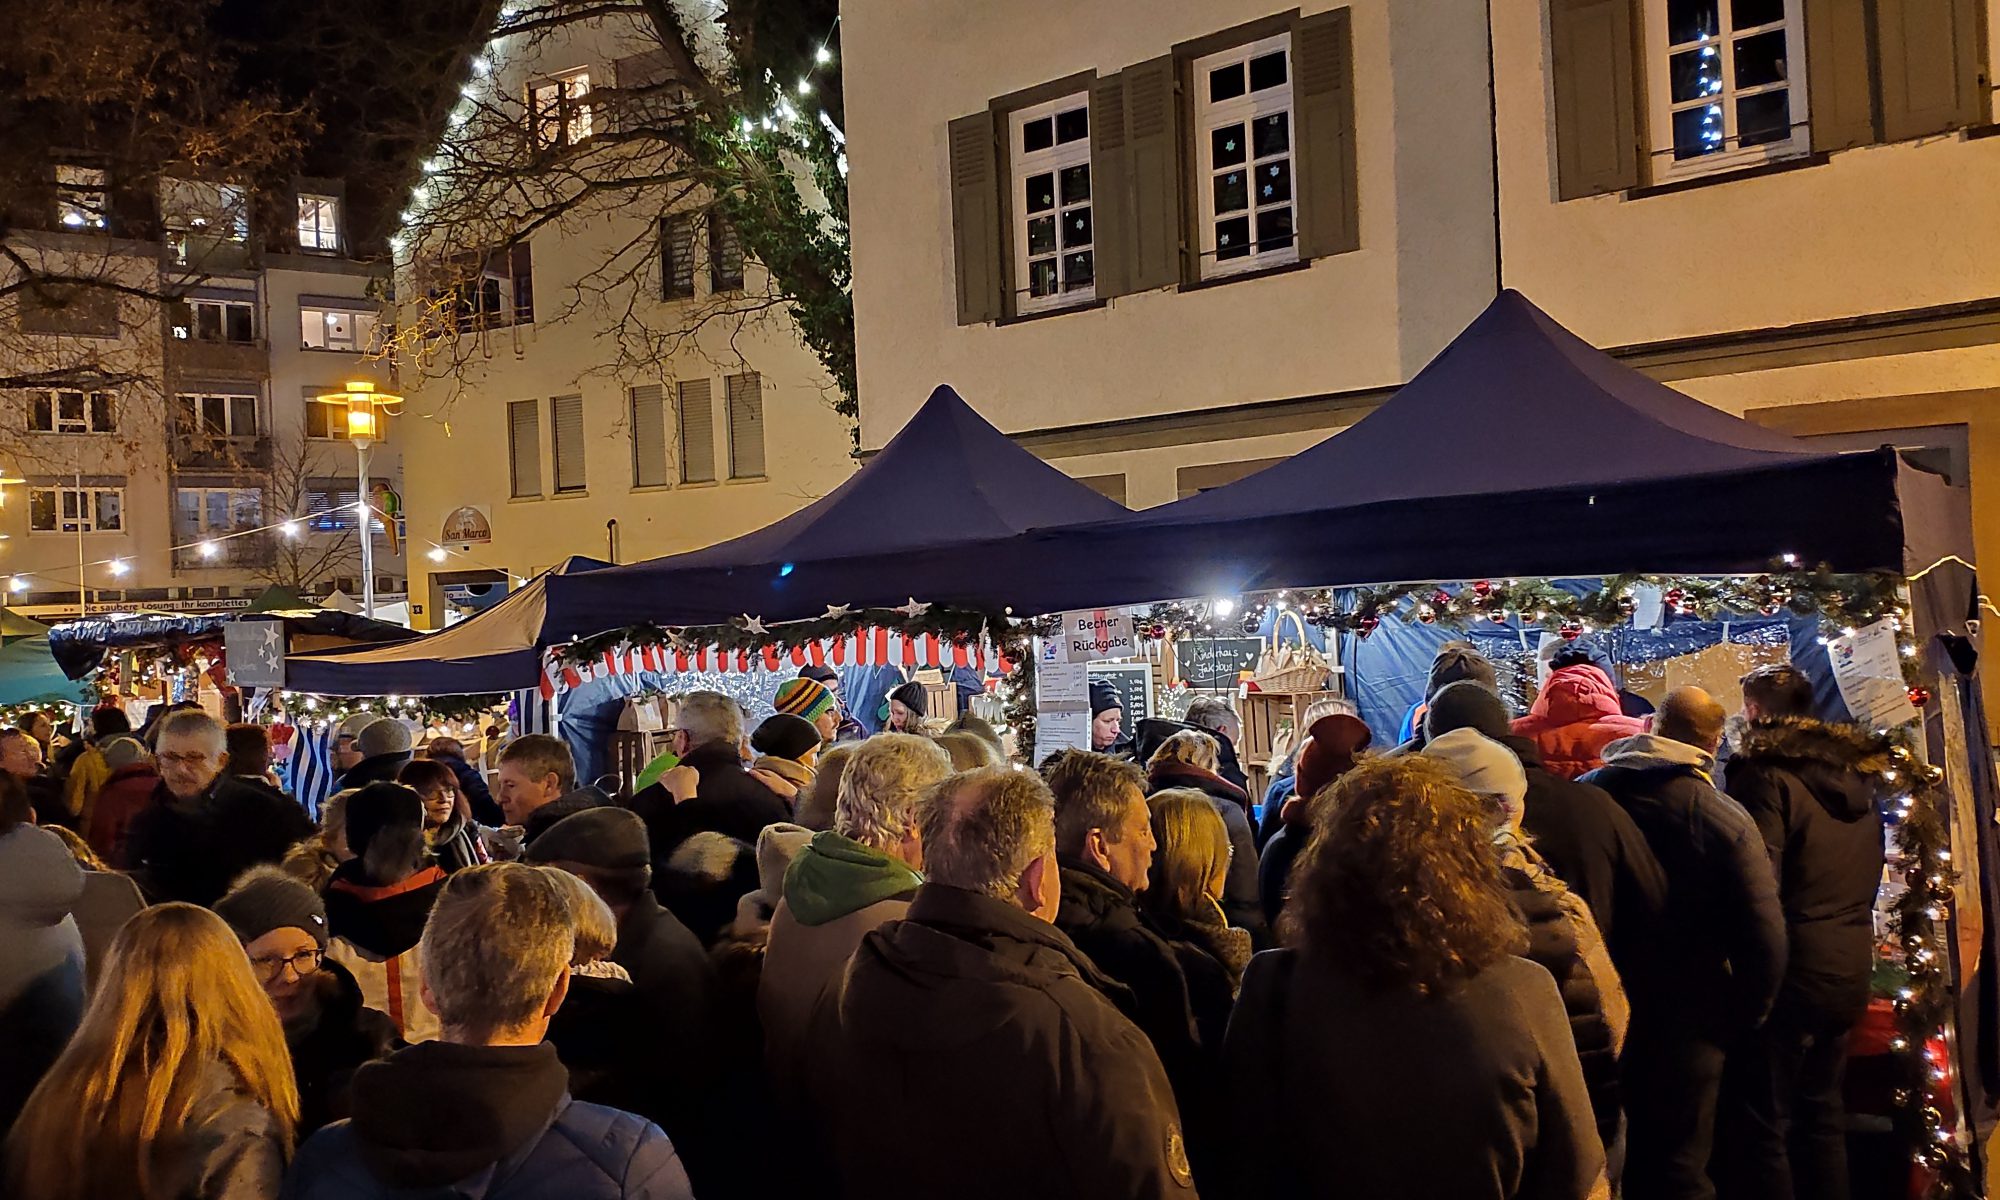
[1843, 765]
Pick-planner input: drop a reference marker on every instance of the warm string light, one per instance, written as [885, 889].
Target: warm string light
[207, 547]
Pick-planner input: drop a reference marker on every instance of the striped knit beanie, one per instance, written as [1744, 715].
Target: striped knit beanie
[803, 698]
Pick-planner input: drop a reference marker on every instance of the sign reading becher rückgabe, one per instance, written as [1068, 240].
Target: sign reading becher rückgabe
[1097, 633]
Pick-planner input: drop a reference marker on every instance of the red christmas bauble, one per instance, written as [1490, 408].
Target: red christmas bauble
[1441, 598]
[1369, 623]
[1484, 587]
[1920, 696]
[1571, 631]
[1157, 632]
[1498, 618]
[1674, 597]
[1427, 616]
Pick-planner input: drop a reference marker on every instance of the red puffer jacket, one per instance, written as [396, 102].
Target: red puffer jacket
[1575, 718]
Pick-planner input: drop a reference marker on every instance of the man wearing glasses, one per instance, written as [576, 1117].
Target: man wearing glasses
[202, 830]
[283, 928]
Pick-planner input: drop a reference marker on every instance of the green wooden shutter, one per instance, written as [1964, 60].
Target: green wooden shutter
[1842, 97]
[1153, 168]
[1929, 54]
[1596, 95]
[1323, 110]
[975, 219]
[1110, 194]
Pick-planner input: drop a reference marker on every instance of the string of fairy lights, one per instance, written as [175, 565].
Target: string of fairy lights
[481, 88]
[211, 547]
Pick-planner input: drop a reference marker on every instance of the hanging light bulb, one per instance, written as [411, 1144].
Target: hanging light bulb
[18, 583]
[290, 528]
[208, 548]
[437, 553]
[116, 566]
[1224, 607]
[822, 56]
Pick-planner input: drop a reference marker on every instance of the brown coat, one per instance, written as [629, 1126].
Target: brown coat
[803, 968]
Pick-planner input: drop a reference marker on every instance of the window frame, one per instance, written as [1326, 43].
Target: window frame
[71, 526]
[192, 329]
[361, 344]
[1657, 73]
[198, 426]
[88, 200]
[203, 528]
[1205, 117]
[573, 114]
[86, 424]
[325, 238]
[1054, 159]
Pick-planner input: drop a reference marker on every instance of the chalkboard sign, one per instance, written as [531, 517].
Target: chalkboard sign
[1214, 662]
[1134, 682]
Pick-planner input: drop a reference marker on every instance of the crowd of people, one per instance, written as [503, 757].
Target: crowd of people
[1568, 953]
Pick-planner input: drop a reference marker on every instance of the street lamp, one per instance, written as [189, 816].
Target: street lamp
[365, 407]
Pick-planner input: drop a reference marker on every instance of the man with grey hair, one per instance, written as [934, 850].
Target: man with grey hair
[727, 799]
[496, 955]
[201, 829]
[857, 876]
[974, 1043]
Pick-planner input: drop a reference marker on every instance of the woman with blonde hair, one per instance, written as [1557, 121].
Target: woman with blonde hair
[1184, 897]
[177, 1086]
[313, 861]
[1188, 760]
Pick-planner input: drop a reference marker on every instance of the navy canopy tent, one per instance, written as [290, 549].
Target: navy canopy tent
[919, 520]
[1519, 450]
[497, 650]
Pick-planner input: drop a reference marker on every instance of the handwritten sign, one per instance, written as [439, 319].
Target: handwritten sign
[1095, 633]
[1215, 662]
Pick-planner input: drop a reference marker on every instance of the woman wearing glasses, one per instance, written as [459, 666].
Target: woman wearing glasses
[327, 1028]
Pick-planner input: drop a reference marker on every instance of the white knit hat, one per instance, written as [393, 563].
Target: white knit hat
[1483, 766]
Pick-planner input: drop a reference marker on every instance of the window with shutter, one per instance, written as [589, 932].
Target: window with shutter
[1930, 66]
[1596, 99]
[1048, 147]
[566, 431]
[697, 431]
[725, 255]
[975, 219]
[524, 446]
[746, 426]
[1329, 211]
[649, 435]
[1244, 174]
[677, 257]
[1724, 85]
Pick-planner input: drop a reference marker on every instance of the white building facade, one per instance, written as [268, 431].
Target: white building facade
[200, 473]
[622, 387]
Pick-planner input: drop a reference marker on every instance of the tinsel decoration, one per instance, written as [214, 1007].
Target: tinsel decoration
[1924, 1003]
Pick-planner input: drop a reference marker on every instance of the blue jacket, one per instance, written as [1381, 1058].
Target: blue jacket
[447, 1122]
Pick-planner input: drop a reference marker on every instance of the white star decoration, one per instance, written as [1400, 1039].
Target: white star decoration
[754, 625]
[836, 612]
[913, 609]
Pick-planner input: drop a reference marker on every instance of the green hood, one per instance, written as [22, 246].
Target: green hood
[834, 876]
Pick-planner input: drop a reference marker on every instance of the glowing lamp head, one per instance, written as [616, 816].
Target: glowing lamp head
[116, 566]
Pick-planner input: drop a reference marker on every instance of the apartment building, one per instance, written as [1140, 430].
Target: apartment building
[1164, 242]
[617, 383]
[177, 461]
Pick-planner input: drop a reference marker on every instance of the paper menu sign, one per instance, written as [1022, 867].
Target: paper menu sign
[1869, 672]
[1062, 685]
[1061, 729]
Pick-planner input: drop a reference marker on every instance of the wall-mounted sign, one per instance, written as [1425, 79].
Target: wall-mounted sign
[466, 524]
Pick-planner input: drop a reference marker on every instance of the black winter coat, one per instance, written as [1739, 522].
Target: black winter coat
[1719, 950]
[727, 800]
[971, 1032]
[601, 1023]
[328, 1047]
[570, 802]
[1552, 945]
[194, 851]
[676, 988]
[1102, 918]
[1811, 789]
[1593, 846]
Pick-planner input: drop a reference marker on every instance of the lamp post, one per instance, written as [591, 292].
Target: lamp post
[364, 407]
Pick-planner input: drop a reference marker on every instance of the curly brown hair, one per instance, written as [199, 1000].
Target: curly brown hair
[1399, 883]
